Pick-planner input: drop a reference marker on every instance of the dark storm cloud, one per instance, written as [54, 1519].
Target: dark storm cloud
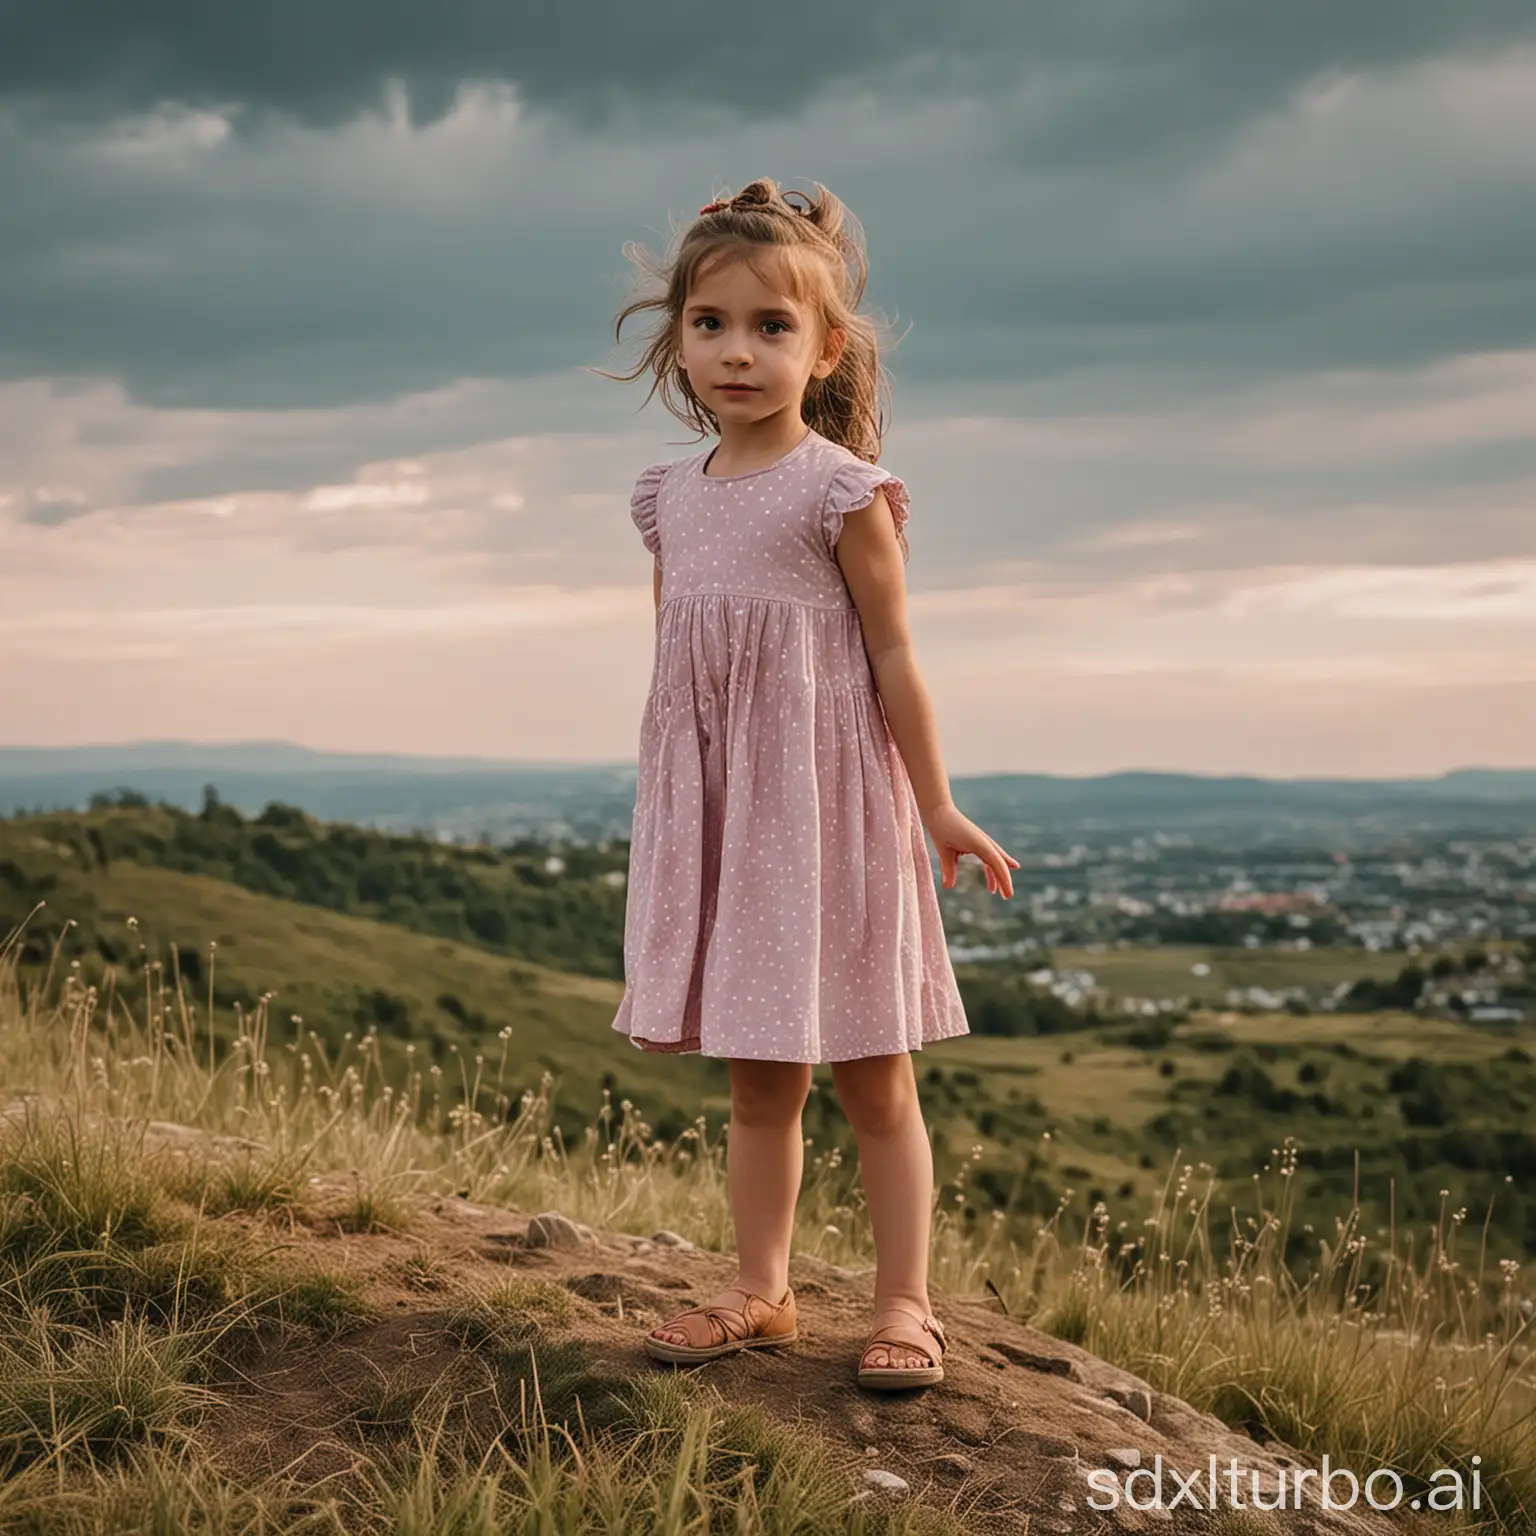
[1200, 63]
[1056, 214]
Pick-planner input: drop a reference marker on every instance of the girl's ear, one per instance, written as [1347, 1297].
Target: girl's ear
[831, 353]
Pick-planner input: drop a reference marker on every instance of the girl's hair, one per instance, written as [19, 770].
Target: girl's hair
[820, 247]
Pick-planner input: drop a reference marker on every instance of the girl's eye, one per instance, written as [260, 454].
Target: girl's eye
[710, 320]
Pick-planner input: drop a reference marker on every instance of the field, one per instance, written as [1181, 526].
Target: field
[1168, 970]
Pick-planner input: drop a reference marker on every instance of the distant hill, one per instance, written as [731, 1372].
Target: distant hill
[468, 797]
[243, 757]
[475, 796]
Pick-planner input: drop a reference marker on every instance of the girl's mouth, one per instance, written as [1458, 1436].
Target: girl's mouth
[737, 389]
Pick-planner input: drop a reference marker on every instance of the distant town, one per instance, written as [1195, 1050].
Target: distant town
[1438, 894]
[1432, 880]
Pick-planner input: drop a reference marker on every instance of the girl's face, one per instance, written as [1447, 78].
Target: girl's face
[739, 331]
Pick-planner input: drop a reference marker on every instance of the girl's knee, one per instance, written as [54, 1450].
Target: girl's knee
[878, 1094]
[768, 1092]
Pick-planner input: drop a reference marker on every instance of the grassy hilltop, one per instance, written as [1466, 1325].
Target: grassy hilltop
[272, 1289]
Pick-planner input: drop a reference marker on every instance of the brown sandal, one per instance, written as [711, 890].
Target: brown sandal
[757, 1324]
[893, 1377]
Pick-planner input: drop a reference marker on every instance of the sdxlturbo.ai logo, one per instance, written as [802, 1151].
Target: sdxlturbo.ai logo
[1383, 1489]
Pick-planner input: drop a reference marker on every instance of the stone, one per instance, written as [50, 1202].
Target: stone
[1123, 1456]
[553, 1229]
[955, 1462]
[1052, 1365]
[666, 1239]
[1137, 1400]
[878, 1477]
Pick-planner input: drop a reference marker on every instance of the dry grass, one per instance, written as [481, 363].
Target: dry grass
[126, 1271]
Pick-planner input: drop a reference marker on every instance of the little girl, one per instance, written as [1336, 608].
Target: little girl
[781, 909]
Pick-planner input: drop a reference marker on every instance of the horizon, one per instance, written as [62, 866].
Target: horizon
[189, 747]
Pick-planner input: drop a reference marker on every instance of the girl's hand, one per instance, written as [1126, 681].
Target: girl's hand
[954, 834]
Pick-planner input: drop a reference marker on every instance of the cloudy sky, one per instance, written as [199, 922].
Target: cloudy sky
[1215, 393]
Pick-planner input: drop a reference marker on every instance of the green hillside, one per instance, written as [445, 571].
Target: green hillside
[509, 900]
[443, 1000]
[1409, 1106]
[1417, 1105]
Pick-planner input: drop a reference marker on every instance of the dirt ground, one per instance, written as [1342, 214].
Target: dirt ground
[1006, 1442]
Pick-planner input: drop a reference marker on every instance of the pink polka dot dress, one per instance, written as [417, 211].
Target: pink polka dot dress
[781, 903]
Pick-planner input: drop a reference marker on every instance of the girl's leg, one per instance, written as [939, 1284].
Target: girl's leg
[765, 1158]
[879, 1096]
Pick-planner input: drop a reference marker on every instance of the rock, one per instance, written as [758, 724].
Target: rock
[1137, 1400]
[553, 1229]
[666, 1239]
[955, 1462]
[1052, 1365]
[878, 1477]
[1123, 1456]
[871, 1450]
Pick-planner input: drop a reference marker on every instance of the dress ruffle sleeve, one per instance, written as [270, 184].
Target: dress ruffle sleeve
[854, 485]
[642, 505]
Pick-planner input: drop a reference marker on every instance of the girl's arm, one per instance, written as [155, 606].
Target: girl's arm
[656, 584]
[871, 563]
